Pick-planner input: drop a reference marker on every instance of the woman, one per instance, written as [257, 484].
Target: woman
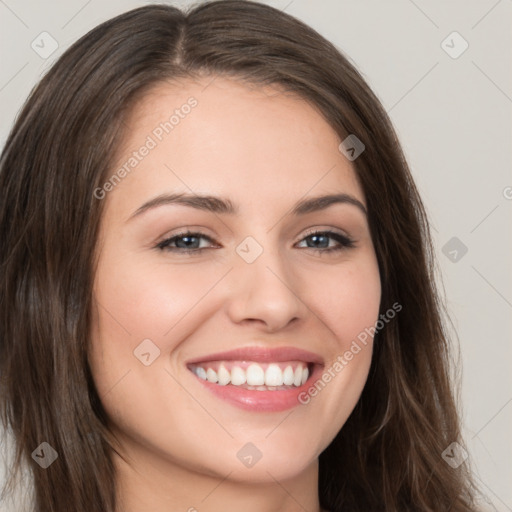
[217, 279]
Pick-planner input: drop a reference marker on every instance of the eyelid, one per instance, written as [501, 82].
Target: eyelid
[161, 244]
[184, 231]
[315, 230]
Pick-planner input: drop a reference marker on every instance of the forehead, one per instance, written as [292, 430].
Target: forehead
[222, 136]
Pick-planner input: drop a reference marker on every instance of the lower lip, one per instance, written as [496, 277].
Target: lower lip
[261, 401]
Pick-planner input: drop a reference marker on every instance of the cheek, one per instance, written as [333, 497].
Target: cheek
[347, 299]
[138, 300]
[149, 300]
[347, 302]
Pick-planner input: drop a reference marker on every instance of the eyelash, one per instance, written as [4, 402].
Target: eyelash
[344, 242]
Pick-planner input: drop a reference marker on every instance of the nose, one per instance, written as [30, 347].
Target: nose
[264, 292]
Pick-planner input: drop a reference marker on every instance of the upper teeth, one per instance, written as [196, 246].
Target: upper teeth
[254, 374]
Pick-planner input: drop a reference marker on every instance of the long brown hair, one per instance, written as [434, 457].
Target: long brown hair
[388, 455]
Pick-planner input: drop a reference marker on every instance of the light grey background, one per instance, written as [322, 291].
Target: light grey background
[453, 116]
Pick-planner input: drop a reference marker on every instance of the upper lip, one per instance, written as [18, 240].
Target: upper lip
[262, 355]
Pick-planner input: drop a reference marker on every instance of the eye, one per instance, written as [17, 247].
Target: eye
[320, 240]
[188, 242]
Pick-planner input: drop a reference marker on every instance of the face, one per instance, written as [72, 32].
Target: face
[228, 300]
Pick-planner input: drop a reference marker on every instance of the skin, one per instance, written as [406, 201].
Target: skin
[264, 150]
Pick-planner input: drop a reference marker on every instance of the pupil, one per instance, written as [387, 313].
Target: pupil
[186, 240]
[317, 237]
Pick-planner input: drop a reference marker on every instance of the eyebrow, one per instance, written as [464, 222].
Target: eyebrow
[221, 205]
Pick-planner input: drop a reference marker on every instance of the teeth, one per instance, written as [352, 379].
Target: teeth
[273, 376]
[270, 376]
[200, 372]
[305, 375]
[255, 375]
[287, 376]
[211, 376]
[238, 376]
[223, 375]
[297, 379]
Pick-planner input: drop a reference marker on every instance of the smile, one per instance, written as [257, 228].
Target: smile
[257, 379]
[253, 375]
